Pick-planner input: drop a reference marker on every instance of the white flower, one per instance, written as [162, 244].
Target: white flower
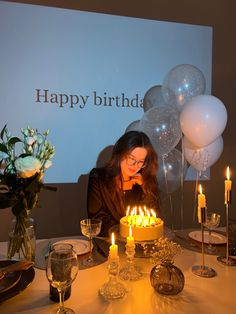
[3, 155]
[47, 164]
[39, 139]
[27, 167]
[30, 140]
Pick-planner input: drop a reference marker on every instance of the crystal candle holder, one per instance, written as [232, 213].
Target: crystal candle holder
[113, 289]
[130, 271]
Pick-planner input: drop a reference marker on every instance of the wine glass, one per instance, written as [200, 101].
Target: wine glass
[90, 228]
[61, 271]
[212, 221]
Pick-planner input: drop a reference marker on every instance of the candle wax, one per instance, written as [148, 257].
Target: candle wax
[228, 185]
[113, 252]
[130, 241]
[201, 200]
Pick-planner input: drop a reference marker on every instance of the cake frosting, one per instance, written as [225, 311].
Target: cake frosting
[143, 228]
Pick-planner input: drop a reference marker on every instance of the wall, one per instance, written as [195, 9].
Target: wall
[60, 212]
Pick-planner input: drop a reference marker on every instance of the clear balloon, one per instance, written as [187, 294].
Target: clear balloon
[203, 119]
[162, 126]
[153, 97]
[184, 81]
[133, 126]
[172, 169]
[202, 158]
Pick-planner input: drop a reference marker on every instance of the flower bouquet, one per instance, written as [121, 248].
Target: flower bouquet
[23, 162]
[165, 277]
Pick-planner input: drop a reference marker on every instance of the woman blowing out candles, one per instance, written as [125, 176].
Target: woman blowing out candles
[128, 179]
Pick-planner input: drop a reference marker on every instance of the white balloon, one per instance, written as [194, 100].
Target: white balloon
[204, 157]
[203, 119]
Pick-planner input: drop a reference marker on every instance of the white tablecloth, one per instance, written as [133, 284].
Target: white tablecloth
[200, 295]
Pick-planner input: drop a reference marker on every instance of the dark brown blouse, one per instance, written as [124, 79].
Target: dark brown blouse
[109, 208]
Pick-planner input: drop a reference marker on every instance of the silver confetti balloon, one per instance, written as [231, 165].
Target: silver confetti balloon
[184, 81]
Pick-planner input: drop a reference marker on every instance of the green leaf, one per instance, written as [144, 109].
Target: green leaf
[6, 200]
[3, 131]
[24, 155]
[3, 148]
[14, 140]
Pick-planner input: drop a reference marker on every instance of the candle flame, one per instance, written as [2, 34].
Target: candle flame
[130, 231]
[228, 173]
[153, 213]
[112, 238]
[141, 211]
[127, 212]
[200, 188]
[141, 216]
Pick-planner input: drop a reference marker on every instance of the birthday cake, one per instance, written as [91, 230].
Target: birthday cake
[144, 227]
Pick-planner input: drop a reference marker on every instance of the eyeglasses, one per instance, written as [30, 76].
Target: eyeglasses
[131, 161]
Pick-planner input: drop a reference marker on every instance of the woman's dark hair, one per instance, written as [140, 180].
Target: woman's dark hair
[123, 147]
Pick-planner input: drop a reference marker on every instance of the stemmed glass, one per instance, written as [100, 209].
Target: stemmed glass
[90, 228]
[212, 221]
[61, 271]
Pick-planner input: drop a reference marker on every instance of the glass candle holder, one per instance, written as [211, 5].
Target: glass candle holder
[130, 270]
[113, 289]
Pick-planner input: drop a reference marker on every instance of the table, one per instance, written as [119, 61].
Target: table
[200, 295]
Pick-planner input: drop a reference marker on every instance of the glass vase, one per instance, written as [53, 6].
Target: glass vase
[167, 279]
[22, 240]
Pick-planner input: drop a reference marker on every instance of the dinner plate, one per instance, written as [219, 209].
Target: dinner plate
[79, 246]
[9, 280]
[216, 238]
[25, 278]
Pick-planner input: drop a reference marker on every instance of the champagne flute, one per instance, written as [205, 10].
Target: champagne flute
[90, 228]
[61, 271]
[212, 221]
[54, 295]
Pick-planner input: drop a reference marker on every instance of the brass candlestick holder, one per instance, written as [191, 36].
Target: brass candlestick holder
[113, 289]
[130, 270]
[203, 270]
[226, 259]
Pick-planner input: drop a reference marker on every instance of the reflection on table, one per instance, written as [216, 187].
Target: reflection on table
[200, 295]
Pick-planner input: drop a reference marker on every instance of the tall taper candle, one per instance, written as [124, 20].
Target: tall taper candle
[201, 205]
[228, 186]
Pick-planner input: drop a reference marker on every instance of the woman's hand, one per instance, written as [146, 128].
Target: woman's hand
[136, 179]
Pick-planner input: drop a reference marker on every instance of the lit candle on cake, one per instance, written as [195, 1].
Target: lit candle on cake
[130, 238]
[145, 225]
[201, 205]
[113, 250]
[228, 186]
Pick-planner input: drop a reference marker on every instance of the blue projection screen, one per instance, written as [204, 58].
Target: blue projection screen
[83, 75]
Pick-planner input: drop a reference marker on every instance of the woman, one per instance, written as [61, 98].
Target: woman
[128, 179]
